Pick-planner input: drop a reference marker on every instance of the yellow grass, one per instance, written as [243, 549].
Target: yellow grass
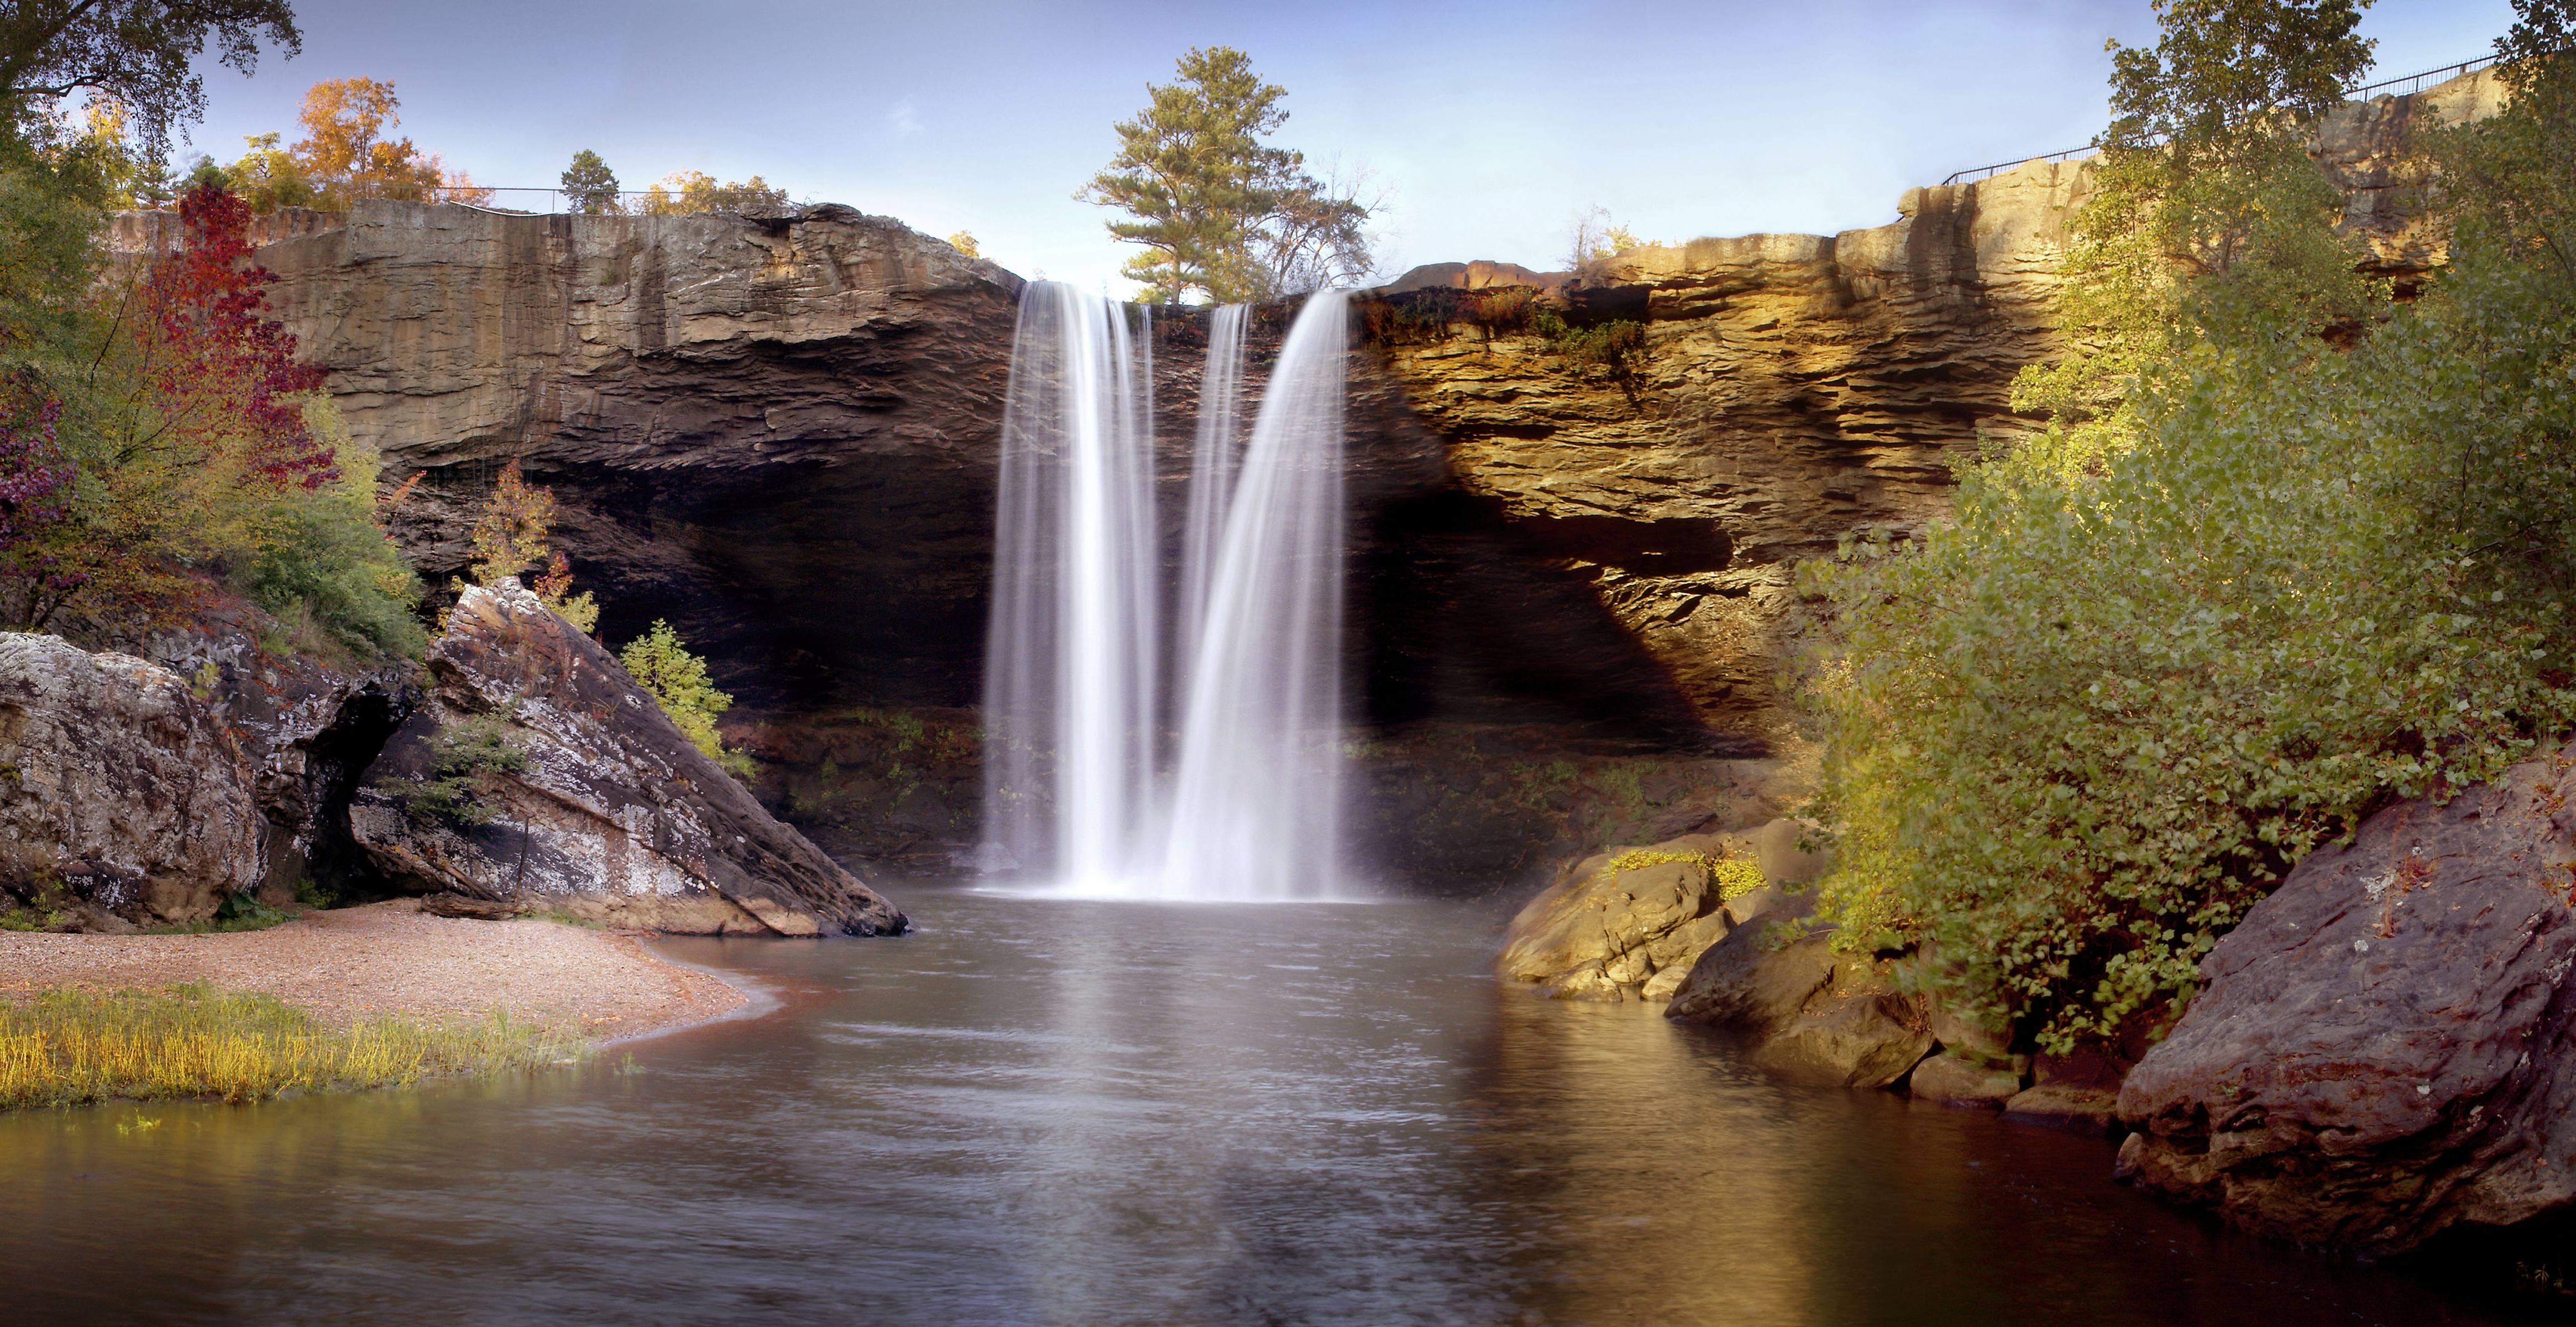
[66, 1047]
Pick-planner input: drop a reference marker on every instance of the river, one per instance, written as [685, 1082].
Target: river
[1065, 1112]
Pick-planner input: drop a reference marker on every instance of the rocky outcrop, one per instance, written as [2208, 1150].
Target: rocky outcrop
[1627, 924]
[123, 801]
[610, 815]
[776, 431]
[2369, 151]
[1805, 1012]
[307, 727]
[1613, 922]
[2386, 1045]
[1791, 388]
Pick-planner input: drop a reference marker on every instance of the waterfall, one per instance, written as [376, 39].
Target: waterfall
[1256, 803]
[1252, 805]
[1070, 656]
[1213, 457]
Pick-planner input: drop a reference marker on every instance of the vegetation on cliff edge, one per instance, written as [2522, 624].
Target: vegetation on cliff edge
[2290, 552]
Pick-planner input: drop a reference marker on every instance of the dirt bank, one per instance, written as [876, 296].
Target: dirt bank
[390, 958]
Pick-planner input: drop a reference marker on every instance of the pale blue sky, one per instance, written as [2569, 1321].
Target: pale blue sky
[1493, 124]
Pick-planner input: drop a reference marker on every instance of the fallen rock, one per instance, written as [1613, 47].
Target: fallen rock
[1613, 935]
[123, 802]
[2084, 1110]
[446, 904]
[614, 817]
[1954, 1081]
[1808, 1014]
[2383, 1047]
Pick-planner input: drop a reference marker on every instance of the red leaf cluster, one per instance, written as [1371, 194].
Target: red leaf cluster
[35, 492]
[223, 370]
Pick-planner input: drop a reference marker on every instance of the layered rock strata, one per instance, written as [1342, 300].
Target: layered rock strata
[1795, 388]
[761, 428]
[2386, 1045]
[123, 801]
[610, 814]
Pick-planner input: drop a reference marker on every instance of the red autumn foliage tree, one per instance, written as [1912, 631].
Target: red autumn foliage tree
[35, 491]
[194, 424]
[224, 374]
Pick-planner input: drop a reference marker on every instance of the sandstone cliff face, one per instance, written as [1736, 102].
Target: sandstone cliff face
[1799, 387]
[613, 816]
[760, 428]
[1794, 388]
[122, 799]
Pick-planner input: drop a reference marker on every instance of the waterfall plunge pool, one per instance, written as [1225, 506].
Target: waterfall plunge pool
[1075, 1112]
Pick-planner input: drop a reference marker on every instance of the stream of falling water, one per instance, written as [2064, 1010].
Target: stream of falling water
[1248, 806]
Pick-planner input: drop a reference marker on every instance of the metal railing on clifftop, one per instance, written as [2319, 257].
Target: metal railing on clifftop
[2413, 83]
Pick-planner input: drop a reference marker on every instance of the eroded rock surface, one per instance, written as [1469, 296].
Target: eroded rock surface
[1604, 934]
[122, 799]
[614, 817]
[2387, 1045]
[1805, 1012]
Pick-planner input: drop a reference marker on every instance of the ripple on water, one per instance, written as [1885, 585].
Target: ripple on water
[1040, 1111]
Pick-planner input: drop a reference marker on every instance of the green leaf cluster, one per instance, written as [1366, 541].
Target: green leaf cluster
[326, 562]
[662, 664]
[2204, 218]
[465, 760]
[2080, 728]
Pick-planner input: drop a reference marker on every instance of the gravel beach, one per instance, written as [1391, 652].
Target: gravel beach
[390, 958]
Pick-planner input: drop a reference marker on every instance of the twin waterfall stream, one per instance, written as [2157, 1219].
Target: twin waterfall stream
[1153, 735]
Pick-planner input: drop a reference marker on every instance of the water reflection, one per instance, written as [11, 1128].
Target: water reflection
[1044, 1111]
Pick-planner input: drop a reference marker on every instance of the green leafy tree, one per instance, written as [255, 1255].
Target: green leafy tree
[1217, 211]
[2077, 730]
[589, 185]
[2205, 214]
[683, 192]
[268, 177]
[661, 663]
[326, 566]
[138, 53]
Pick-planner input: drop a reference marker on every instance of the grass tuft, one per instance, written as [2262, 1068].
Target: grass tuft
[69, 1047]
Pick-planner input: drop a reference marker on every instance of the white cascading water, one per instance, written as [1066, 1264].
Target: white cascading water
[1252, 806]
[1215, 452]
[1256, 792]
[1070, 658]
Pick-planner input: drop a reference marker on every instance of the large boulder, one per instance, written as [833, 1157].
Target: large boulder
[123, 801]
[307, 727]
[1806, 1012]
[2383, 1047]
[1627, 924]
[613, 815]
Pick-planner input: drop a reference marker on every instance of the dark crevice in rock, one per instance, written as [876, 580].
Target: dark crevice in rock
[335, 761]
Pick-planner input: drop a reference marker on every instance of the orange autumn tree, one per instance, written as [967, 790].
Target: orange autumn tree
[345, 154]
[511, 536]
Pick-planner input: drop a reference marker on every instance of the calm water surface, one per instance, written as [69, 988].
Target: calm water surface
[1063, 1112]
